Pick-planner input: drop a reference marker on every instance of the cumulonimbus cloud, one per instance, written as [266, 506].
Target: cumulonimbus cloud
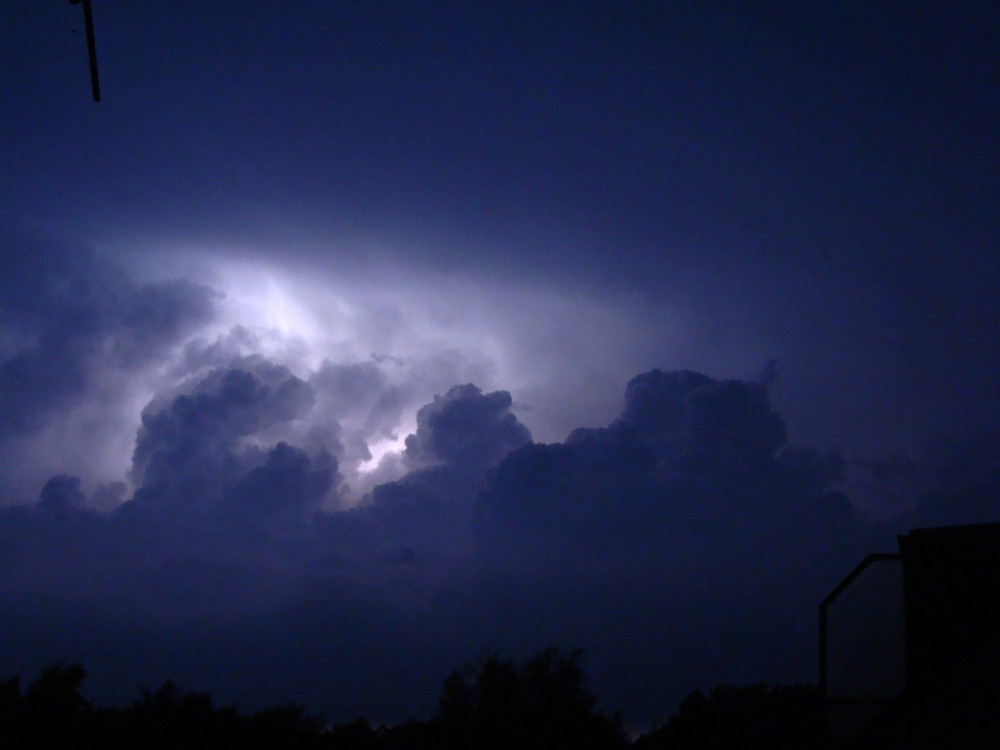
[663, 542]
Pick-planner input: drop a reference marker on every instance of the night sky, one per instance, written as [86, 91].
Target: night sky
[344, 342]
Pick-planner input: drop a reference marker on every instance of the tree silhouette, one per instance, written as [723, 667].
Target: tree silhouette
[355, 735]
[171, 718]
[748, 717]
[543, 703]
[291, 726]
[50, 712]
[494, 704]
[11, 709]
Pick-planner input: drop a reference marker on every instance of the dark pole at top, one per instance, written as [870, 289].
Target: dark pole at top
[88, 20]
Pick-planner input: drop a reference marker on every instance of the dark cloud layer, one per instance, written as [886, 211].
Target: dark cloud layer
[687, 453]
[684, 544]
[687, 522]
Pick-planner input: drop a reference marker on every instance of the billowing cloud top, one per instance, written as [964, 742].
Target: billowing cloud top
[466, 428]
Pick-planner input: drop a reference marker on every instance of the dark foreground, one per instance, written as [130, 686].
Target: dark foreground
[541, 703]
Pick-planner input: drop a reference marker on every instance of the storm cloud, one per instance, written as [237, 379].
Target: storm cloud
[288, 492]
[686, 526]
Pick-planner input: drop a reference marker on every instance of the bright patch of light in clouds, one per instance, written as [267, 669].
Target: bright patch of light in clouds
[563, 354]
[380, 449]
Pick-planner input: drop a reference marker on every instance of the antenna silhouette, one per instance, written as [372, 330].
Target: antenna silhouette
[88, 21]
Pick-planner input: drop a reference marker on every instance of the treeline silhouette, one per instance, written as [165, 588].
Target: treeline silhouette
[496, 703]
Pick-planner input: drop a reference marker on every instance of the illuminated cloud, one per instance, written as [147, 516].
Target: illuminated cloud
[331, 461]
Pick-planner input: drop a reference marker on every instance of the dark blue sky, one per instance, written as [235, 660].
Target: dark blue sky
[388, 199]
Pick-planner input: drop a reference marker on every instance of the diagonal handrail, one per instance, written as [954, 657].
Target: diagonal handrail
[828, 600]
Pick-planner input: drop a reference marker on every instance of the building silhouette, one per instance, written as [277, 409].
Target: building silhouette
[910, 644]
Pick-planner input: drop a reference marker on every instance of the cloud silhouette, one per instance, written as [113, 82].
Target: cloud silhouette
[191, 448]
[466, 428]
[688, 457]
[288, 484]
[61, 492]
